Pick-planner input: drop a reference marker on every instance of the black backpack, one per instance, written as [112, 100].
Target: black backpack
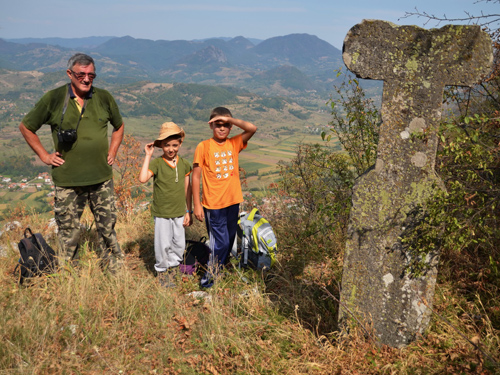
[195, 257]
[37, 257]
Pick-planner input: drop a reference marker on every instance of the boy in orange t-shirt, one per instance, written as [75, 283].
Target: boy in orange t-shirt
[216, 161]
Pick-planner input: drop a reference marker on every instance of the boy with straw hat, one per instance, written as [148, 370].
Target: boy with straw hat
[171, 206]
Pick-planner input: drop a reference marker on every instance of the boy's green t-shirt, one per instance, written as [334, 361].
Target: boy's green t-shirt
[169, 197]
[85, 161]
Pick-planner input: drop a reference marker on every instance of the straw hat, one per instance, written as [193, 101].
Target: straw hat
[168, 129]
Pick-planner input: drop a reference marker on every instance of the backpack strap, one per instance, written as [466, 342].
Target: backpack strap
[246, 223]
[27, 263]
[252, 214]
[18, 273]
[28, 229]
[29, 247]
[48, 255]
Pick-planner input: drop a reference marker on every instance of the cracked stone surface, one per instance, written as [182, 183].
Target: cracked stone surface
[415, 64]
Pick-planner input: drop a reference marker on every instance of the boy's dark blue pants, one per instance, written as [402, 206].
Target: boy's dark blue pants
[221, 227]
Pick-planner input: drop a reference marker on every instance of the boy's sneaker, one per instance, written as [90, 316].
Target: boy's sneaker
[207, 281]
[165, 279]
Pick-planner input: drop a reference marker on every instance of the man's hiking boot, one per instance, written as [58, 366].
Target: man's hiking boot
[112, 262]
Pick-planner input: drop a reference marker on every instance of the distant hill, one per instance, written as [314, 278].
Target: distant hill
[88, 42]
[304, 51]
[237, 61]
[178, 101]
[34, 56]
[254, 41]
[286, 78]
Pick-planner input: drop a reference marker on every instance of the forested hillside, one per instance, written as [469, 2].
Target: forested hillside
[213, 61]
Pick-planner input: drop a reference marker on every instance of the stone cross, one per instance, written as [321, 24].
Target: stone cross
[415, 64]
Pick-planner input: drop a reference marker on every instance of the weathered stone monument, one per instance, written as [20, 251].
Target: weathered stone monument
[415, 64]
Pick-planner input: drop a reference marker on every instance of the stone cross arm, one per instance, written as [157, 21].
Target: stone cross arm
[415, 64]
[452, 55]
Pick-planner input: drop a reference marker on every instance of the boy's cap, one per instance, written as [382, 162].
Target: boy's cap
[168, 129]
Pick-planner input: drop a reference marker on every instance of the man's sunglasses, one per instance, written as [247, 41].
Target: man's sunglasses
[80, 76]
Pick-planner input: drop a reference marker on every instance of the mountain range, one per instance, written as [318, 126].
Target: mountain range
[295, 64]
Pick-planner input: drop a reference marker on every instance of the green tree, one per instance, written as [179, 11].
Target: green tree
[319, 180]
[356, 122]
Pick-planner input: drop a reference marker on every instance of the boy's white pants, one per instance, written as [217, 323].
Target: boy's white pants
[170, 242]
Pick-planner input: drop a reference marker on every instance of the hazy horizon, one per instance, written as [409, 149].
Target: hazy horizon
[168, 20]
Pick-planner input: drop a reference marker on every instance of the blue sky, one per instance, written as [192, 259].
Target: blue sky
[330, 20]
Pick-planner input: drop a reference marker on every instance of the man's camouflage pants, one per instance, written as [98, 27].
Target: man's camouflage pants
[69, 204]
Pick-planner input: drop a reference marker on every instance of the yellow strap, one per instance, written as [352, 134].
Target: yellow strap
[252, 214]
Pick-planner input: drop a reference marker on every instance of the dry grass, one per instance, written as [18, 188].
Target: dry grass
[85, 321]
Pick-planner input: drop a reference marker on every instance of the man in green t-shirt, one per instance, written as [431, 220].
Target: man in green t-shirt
[78, 114]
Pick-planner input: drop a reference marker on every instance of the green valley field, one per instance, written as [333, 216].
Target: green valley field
[282, 123]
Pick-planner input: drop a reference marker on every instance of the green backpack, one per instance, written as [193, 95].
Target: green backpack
[258, 242]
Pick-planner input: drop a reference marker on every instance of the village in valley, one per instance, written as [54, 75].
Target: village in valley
[40, 182]
[33, 193]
